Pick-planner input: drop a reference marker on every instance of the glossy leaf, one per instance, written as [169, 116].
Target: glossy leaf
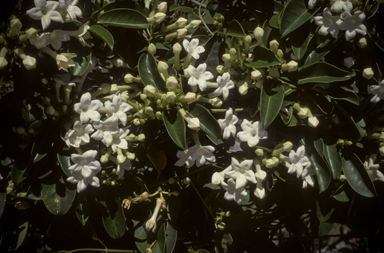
[57, 197]
[123, 17]
[333, 159]
[341, 197]
[324, 226]
[338, 93]
[3, 198]
[65, 163]
[262, 58]
[299, 42]
[322, 50]
[235, 29]
[208, 123]
[295, 14]
[83, 210]
[79, 69]
[175, 125]
[23, 228]
[322, 72]
[357, 176]
[175, 7]
[171, 238]
[271, 97]
[149, 73]
[103, 34]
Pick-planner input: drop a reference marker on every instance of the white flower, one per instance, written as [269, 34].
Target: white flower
[193, 48]
[200, 154]
[225, 84]
[79, 135]
[311, 4]
[373, 169]
[40, 41]
[228, 124]
[118, 140]
[151, 223]
[64, 61]
[327, 23]
[106, 129]
[69, 6]
[84, 170]
[233, 193]
[218, 177]
[118, 107]
[45, 11]
[308, 176]
[81, 34]
[377, 91]
[241, 172]
[298, 161]
[346, 5]
[260, 190]
[349, 62]
[184, 158]
[198, 76]
[122, 167]
[252, 133]
[56, 39]
[352, 24]
[87, 108]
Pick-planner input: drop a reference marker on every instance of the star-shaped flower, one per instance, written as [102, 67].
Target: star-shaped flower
[198, 76]
[377, 91]
[122, 167]
[225, 84]
[56, 39]
[79, 135]
[118, 140]
[308, 176]
[228, 124]
[373, 169]
[72, 10]
[232, 192]
[81, 34]
[252, 133]
[184, 158]
[45, 11]
[298, 161]
[193, 48]
[218, 177]
[200, 154]
[346, 5]
[352, 24]
[242, 172]
[64, 61]
[118, 107]
[87, 108]
[327, 23]
[105, 130]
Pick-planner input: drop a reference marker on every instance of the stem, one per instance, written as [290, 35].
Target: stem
[236, 110]
[201, 17]
[202, 200]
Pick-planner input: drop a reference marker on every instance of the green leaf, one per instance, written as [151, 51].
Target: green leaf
[322, 50]
[235, 29]
[3, 198]
[208, 123]
[338, 93]
[295, 14]
[64, 162]
[357, 176]
[262, 58]
[175, 125]
[103, 34]
[83, 209]
[57, 197]
[113, 213]
[324, 226]
[322, 72]
[149, 73]
[79, 70]
[123, 17]
[271, 97]
[175, 7]
[23, 228]
[332, 156]
[161, 238]
[299, 42]
[341, 197]
[171, 238]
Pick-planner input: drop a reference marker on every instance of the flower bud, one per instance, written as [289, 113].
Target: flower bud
[187, 180]
[29, 62]
[226, 58]
[292, 66]
[349, 62]
[256, 75]
[259, 152]
[259, 34]
[170, 97]
[177, 48]
[279, 54]
[117, 62]
[221, 69]
[368, 73]
[274, 46]
[190, 97]
[149, 90]
[136, 122]
[181, 33]
[121, 158]
[159, 17]
[186, 73]
[3, 62]
[243, 89]
[194, 23]
[272, 162]
[313, 122]
[274, 74]
[216, 102]
[162, 7]
[303, 113]
[181, 22]
[162, 66]
[2, 40]
[128, 78]
[50, 110]
[228, 41]
[287, 146]
[194, 123]
[171, 180]
[362, 43]
[141, 137]
[171, 83]
[151, 49]
[15, 26]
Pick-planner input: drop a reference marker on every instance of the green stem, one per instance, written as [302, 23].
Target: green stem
[202, 20]
[236, 110]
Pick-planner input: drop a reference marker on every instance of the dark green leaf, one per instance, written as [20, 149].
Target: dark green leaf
[324, 226]
[295, 14]
[103, 34]
[126, 18]
[207, 122]
[175, 125]
[57, 197]
[332, 156]
[83, 210]
[235, 29]
[161, 238]
[342, 197]
[175, 7]
[271, 97]
[171, 238]
[322, 50]
[23, 228]
[299, 42]
[3, 198]
[339, 93]
[149, 73]
[262, 58]
[64, 162]
[322, 72]
[357, 176]
[79, 70]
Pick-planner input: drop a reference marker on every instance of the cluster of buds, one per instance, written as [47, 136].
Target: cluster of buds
[305, 112]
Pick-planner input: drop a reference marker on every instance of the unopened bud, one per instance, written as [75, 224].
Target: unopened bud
[170, 97]
[181, 22]
[256, 75]
[274, 74]
[259, 34]
[29, 62]
[349, 62]
[194, 23]
[149, 90]
[368, 73]
[362, 42]
[259, 152]
[141, 137]
[172, 83]
[221, 69]
[187, 180]
[292, 66]
[162, 7]
[313, 122]
[274, 46]
[181, 33]
[152, 49]
[226, 58]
